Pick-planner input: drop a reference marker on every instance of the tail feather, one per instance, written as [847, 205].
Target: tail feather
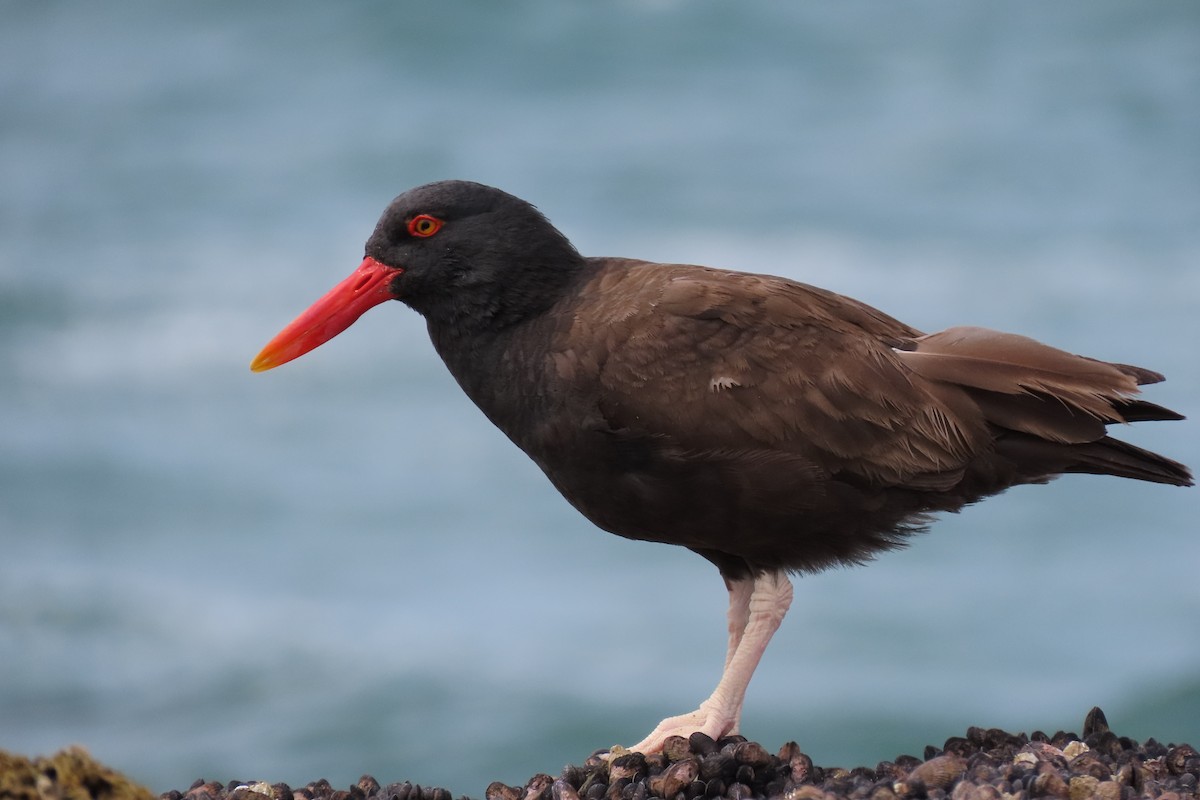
[1049, 408]
[1110, 456]
[1034, 460]
[1142, 375]
[1145, 411]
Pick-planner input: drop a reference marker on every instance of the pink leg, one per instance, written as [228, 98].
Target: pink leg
[756, 608]
[739, 613]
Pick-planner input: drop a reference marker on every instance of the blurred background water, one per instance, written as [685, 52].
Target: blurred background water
[339, 567]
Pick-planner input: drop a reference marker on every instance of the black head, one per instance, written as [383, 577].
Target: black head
[470, 258]
[471, 255]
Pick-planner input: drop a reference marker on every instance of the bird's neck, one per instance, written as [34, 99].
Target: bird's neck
[498, 348]
[499, 371]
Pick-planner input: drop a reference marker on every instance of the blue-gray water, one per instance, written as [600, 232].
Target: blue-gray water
[339, 567]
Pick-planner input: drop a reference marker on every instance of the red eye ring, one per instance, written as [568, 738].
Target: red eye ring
[424, 225]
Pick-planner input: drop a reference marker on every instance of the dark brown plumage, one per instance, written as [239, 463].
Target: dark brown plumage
[767, 425]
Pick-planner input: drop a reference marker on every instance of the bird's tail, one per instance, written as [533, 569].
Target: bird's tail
[1051, 408]
[1105, 456]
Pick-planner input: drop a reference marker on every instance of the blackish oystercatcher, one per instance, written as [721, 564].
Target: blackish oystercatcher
[769, 426]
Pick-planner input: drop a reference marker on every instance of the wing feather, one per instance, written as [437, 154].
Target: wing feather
[716, 359]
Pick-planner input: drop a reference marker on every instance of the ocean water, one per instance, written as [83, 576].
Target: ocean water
[339, 567]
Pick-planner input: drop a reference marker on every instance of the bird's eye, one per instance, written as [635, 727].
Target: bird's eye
[424, 225]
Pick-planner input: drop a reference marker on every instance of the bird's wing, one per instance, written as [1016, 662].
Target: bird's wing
[713, 360]
[1012, 377]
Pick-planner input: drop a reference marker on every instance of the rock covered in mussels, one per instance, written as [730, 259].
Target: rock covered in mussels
[985, 764]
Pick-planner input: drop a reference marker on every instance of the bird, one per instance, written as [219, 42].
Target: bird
[772, 427]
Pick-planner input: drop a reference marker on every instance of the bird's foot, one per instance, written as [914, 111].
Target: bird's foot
[754, 616]
[710, 720]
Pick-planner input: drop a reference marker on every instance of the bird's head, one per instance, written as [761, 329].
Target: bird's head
[462, 254]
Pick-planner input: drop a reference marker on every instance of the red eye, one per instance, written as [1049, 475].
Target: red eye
[424, 225]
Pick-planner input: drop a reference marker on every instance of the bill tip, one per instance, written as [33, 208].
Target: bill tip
[261, 363]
